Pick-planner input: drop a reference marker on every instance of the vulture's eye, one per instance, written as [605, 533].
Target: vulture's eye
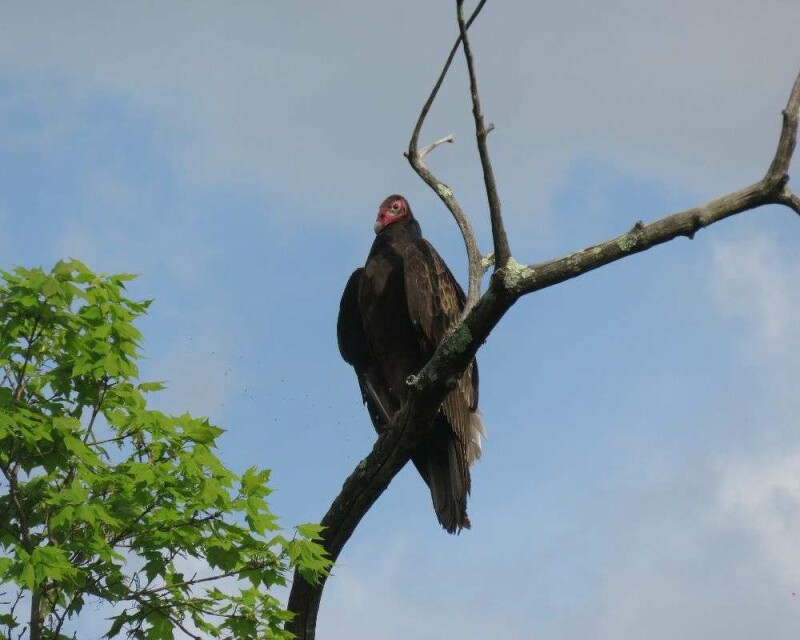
[395, 207]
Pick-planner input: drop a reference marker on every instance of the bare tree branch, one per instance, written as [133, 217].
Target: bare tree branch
[445, 193]
[515, 280]
[502, 252]
[521, 280]
[771, 189]
[509, 282]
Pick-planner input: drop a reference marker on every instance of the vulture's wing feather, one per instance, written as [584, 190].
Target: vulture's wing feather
[434, 297]
[354, 347]
[435, 301]
[350, 328]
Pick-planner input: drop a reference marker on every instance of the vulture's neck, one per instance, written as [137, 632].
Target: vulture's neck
[399, 232]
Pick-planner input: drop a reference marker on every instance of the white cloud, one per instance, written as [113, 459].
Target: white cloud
[753, 282]
[760, 495]
[318, 105]
[759, 490]
[753, 279]
[711, 552]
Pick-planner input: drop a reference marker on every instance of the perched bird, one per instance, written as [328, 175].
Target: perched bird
[394, 313]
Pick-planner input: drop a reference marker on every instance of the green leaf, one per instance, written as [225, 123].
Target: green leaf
[77, 447]
[64, 516]
[111, 365]
[201, 431]
[151, 386]
[310, 531]
[28, 576]
[51, 287]
[51, 563]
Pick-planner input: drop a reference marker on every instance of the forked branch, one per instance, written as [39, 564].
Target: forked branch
[445, 193]
[509, 282]
[516, 280]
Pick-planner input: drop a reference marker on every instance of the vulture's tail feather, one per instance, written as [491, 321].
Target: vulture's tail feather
[447, 474]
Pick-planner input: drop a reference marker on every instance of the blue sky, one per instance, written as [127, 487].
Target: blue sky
[642, 475]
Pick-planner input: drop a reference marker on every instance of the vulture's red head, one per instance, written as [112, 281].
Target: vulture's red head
[393, 209]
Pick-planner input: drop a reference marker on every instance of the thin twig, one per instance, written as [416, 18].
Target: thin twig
[166, 614]
[412, 145]
[10, 475]
[190, 583]
[428, 148]
[101, 396]
[778, 171]
[99, 443]
[502, 252]
[24, 368]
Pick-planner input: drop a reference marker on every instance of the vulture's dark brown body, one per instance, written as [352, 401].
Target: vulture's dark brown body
[393, 314]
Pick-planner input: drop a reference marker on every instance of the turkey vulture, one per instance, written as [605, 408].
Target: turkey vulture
[393, 314]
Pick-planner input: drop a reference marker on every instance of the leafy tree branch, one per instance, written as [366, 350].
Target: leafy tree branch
[105, 500]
